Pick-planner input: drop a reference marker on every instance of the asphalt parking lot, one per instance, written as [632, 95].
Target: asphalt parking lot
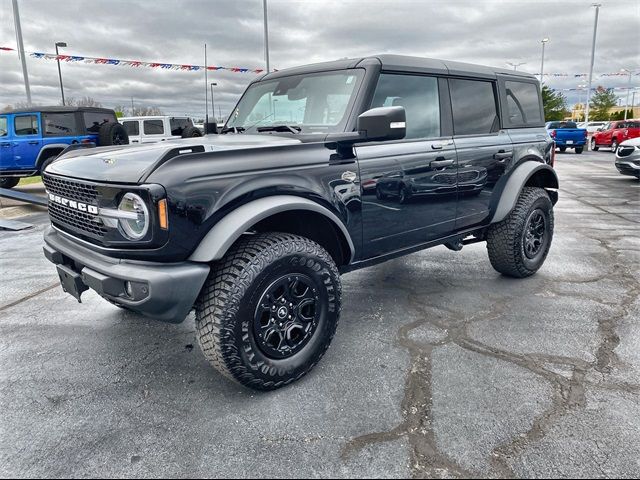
[440, 367]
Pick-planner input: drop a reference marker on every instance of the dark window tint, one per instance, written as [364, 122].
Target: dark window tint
[474, 107]
[4, 129]
[562, 125]
[153, 127]
[94, 120]
[59, 124]
[132, 127]
[523, 104]
[26, 125]
[629, 125]
[178, 125]
[419, 97]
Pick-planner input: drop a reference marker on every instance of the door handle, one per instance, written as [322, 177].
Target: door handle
[5, 145]
[441, 145]
[34, 142]
[441, 163]
[502, 155]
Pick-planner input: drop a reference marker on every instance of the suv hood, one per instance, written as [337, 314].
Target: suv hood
[132, 163]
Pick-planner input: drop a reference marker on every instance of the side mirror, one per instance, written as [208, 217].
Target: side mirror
[383, 123]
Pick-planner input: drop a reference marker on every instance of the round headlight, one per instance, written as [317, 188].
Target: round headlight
[135, 223]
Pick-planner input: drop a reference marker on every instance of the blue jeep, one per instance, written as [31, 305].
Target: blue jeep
[32, 138]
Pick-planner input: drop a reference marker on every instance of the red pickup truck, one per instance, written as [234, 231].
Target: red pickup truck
[614, 133]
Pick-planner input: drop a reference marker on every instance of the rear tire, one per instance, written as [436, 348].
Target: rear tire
[614, 145]
[112, 133]
[9, 182]
[578, 150]
[594, 147]
[269, 310]
[191, 132]
[519, 244]
[562, 149]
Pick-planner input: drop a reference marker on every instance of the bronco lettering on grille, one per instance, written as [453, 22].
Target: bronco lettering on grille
[82, 207]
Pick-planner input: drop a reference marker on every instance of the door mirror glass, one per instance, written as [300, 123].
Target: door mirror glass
[383, 123]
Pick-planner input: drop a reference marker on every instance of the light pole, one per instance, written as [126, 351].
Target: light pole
[61, 45]
[626, 104]
[23, 60]
[515, 65]
[593, 53]
[544, 42]
[580, 88]
[213, 110]
[266, 34]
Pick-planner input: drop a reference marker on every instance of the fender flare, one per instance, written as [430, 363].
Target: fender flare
[516, 182]
[223, 234]
[51, 146]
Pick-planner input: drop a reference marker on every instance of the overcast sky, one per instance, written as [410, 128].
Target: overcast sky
[490, 32]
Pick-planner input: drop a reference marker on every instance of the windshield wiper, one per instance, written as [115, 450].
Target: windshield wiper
[233, 129]
[280, 128]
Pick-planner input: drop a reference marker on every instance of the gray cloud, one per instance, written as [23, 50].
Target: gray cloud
[488, 32]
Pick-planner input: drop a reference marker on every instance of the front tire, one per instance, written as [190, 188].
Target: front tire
[269, 310]
[594, 147]
[519, 244]
[9, 182]
[614, 145]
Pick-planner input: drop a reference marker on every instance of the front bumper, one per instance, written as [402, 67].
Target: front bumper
[628, 167]
[163, 291]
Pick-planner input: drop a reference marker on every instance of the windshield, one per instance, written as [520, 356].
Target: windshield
[309, 103]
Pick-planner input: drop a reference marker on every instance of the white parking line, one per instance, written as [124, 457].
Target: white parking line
[382, 206]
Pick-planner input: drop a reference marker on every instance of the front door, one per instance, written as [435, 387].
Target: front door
[484, 151]
[409, 185]
[27, 140]
[6, 146]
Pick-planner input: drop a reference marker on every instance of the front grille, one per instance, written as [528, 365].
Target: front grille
[67, 217]
[625, 151]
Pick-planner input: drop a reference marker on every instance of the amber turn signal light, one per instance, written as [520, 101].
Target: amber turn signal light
[162, 214]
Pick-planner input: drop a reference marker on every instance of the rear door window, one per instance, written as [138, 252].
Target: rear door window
[474, 107]
[94, 120]
[178, 125]
[153, 127]
[26, 125]
[132, 127]
[59, 124]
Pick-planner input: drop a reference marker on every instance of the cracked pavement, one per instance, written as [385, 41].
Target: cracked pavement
[440, 368]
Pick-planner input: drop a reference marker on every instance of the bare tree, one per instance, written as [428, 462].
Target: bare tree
[82, 102]
[17, 105]
[145, 111]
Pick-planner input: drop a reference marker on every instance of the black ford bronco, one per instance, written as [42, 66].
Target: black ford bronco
[319, 170]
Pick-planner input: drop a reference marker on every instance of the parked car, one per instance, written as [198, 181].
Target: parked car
[159, 128]
[591, 127]
[567, 135]
[628, 157]
[253, 227]
[614, 133]
[31, 138]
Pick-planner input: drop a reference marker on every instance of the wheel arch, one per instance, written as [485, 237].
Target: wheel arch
[530, 173]
[282, 213]
[46, 150]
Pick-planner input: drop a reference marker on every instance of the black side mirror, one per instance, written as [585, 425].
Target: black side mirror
[383, 123]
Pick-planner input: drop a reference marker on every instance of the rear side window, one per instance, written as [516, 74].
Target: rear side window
[59, 124]
[474, 107]
[94, 120]
[629, 125]
[420, 98]
[153, 127]
[132, 127]
[178, 125]
[523, 103]
[26, 125]
[4, 128]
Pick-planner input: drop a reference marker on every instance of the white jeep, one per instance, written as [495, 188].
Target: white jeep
[158, 128]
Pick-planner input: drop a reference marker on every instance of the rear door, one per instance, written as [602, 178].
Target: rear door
[132, 128]
[27, 140]
[484, 150]
[152, 131]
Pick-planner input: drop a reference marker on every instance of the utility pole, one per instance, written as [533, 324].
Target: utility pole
[206, 92]
[213, 110]
[593, 53]
[626, 104]
[63, 45]
[266, 35]
[544, 42]
[25, 74]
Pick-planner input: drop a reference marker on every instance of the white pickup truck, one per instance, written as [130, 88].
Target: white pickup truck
[158, 128]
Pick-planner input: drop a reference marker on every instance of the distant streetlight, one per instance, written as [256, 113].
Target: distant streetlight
[266, 34]
[593, 53]
[515, 65]
[544, 42]
[61, 45]
[626, 103]
[213, 111]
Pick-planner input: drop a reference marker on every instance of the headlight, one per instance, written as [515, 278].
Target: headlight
[133, 218]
